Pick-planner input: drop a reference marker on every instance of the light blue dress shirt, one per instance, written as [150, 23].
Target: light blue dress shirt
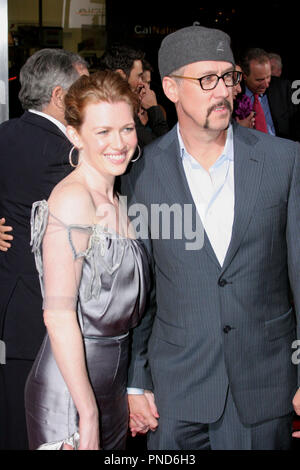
[213, 194]
[266, 109]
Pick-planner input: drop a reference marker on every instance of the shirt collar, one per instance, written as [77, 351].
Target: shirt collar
[50, 118]
[251, 94]
[227, 154]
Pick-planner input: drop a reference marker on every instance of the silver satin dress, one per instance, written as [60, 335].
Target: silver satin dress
[111, 298]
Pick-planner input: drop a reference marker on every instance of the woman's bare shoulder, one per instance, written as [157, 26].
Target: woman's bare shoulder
[71, 201]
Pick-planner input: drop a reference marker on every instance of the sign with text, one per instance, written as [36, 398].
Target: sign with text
[86, 12]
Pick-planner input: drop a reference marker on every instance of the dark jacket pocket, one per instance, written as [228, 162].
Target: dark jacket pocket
[169, 333]
[280, 326]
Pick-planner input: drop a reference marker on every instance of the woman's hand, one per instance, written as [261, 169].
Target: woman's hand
[88, 435]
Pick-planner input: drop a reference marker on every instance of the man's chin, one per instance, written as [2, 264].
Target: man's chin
[222, 125]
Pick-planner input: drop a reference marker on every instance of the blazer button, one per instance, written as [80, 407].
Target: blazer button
[222, 282]
[227, 328]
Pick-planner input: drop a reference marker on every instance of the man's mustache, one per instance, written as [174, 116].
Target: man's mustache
[221, 103]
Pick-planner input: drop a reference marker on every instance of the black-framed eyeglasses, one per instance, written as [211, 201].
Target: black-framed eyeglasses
[209, 82]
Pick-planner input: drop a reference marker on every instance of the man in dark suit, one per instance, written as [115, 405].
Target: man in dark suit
[274, 94]
[33, 159]
[211, 363]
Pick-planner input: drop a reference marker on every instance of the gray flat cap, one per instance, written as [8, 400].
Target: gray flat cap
[193, 44]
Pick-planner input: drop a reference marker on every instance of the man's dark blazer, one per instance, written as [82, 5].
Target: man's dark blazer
[33, 159]
[156, 127]
[285, 114]
[209, 325]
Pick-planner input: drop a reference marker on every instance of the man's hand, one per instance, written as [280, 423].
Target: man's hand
[148, 98]
[249, 121]
[143, 413]
[296, 405]
[143, 116]
[4, 244]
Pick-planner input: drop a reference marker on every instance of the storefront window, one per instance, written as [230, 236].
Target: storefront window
[75, 25]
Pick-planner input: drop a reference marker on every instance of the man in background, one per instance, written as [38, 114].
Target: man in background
[276, 64]
[129, 63]
[271, 96]
[33, 159]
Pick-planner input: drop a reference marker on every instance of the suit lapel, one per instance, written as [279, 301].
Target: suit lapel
[171, 173]
[248, 167]
[170, 170]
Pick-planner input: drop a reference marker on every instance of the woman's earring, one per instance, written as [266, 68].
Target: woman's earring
[70, 157]
[139, 155]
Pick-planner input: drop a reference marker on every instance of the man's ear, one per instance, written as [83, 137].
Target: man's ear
[58, 95]
[122, 73]
[170, 88]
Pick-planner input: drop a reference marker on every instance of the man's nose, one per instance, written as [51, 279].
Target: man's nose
[221, 89]
[267, 82]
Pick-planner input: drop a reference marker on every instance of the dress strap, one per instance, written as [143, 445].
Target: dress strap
[83, 228]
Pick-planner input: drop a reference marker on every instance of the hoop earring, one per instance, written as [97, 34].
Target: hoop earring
[139, 155]
[70, 157]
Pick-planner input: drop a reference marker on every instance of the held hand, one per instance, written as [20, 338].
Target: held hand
[143, 413]
[150, 398]
[296, 405]
[148, 99]
[4, 245]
